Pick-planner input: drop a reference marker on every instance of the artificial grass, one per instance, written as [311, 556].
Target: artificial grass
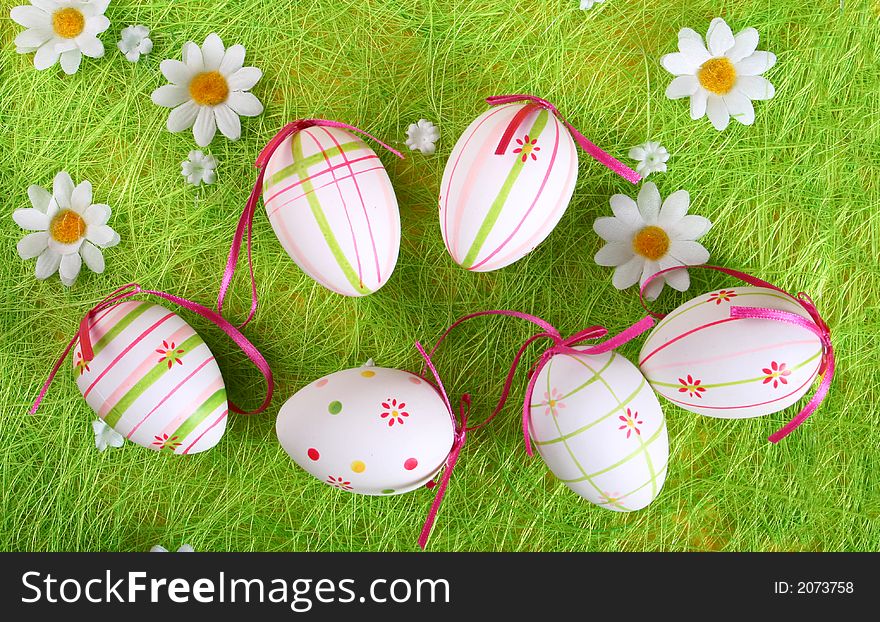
[793, 200]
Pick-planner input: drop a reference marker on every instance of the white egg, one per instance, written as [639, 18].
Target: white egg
[332, 206]
[494, 209]
[153, 379]
[600, 429]
[710, 363]
[370, 430]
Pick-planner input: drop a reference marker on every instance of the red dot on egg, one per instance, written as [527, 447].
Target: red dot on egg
[321, 382]
[313, 453]
[410, 464]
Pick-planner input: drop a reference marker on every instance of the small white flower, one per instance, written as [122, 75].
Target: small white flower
[134, 41]
[199, 168]
[67, 29]
[722, 80]
[644, 238]
[186, 548]
[209, 90]
[105, 436]
[651, 158]
[588, 4]
[68, 228]
[421, 136]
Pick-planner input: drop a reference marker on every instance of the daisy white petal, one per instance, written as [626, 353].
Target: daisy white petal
[689, 34]
[32, 245]
[47, 5]
[244, 78]
[746, 44]
[100, 235]
[682, 86]
[113, 241]
[97, 214]
[62, 189]
[755, 87]
[740, 107]
[626, 210]
[32, 38]
[186, 548]
[46, 55]
[69, 268]
[31, 219]
[755, 64]
[212, 52]
[29, 16]
[717, 112]
[614, 254]
[655, 288]
[694, 51]
[679, 65]
[637, 153]
[698, 104]
[652, 158]
[690, 227]
[674, 208]
[233, 60]
[93, 257]
[47, 264]
[158, 549]
[92, 47]
[627, 275]
[612, 230]
[192, 56]
[227, 122]
[70, 61]
[182, 117]
[81, 197]
[689, 253]
[176, 72]
[204, 127]
[98, 426]
[245, 104]
[649, 203]
[170, 95]
[96, 24]
[719, 37]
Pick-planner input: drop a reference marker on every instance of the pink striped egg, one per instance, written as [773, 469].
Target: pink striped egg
[333, 209]
[712, 364]
[370, 430]
[153, 379]
[600, 429]
[494, 209]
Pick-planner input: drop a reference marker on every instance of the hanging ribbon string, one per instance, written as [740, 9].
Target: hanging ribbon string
[245, 222]
[815, 325]
[561, 345]
[537, 103]
[132, 289]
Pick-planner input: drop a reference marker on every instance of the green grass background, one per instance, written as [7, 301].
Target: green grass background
[795, 199]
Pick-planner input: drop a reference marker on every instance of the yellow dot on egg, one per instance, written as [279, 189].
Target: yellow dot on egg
[358, 467]
[368, 373]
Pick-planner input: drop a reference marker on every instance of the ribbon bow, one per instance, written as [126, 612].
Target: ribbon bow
[561, 345]
[132, 289]
[536, 103]
[245, 222]
[817, 326]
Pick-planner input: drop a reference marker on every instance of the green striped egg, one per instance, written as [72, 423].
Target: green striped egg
[599, 427]
[707, 362]
[153, 379]
[494, 209]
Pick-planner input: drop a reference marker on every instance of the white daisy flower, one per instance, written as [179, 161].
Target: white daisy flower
[68, 228]
[61, 28]
[199, 168]
[421, 136]
[134, 41]
[105, 436]
[209, 90]
[723, 80]
[588, 4]
[651, 158]
[186, 548]
[644, 238]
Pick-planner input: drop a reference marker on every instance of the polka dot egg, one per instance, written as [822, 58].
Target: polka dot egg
[370, 430]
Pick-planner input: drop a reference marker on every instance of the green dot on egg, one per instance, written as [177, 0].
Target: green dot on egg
[388, 491]
[335, 407]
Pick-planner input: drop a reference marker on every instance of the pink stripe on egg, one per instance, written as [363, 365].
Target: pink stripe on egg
[716, 359]
[210, 390]
[690, 332]
[329, 183]
[372, 156]
[208, 429]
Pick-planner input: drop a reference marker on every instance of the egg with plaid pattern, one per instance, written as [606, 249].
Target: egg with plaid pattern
[369, 430]
[332, 206]
[599, 427]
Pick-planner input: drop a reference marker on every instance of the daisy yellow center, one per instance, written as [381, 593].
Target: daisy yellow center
[717, 75]
[67, 227]
[68, 22]
[651, 242]
[209, 88]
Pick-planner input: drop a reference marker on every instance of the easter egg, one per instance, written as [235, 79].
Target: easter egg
[369, 430]
[332, 206]
[600, 429]
[153, 379]
[712, 364]
[494, 209]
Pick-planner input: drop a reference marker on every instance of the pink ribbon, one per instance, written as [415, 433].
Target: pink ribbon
[561, 345]
[245, 222]
[133, 289]
[817, 326]
[536, 102]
